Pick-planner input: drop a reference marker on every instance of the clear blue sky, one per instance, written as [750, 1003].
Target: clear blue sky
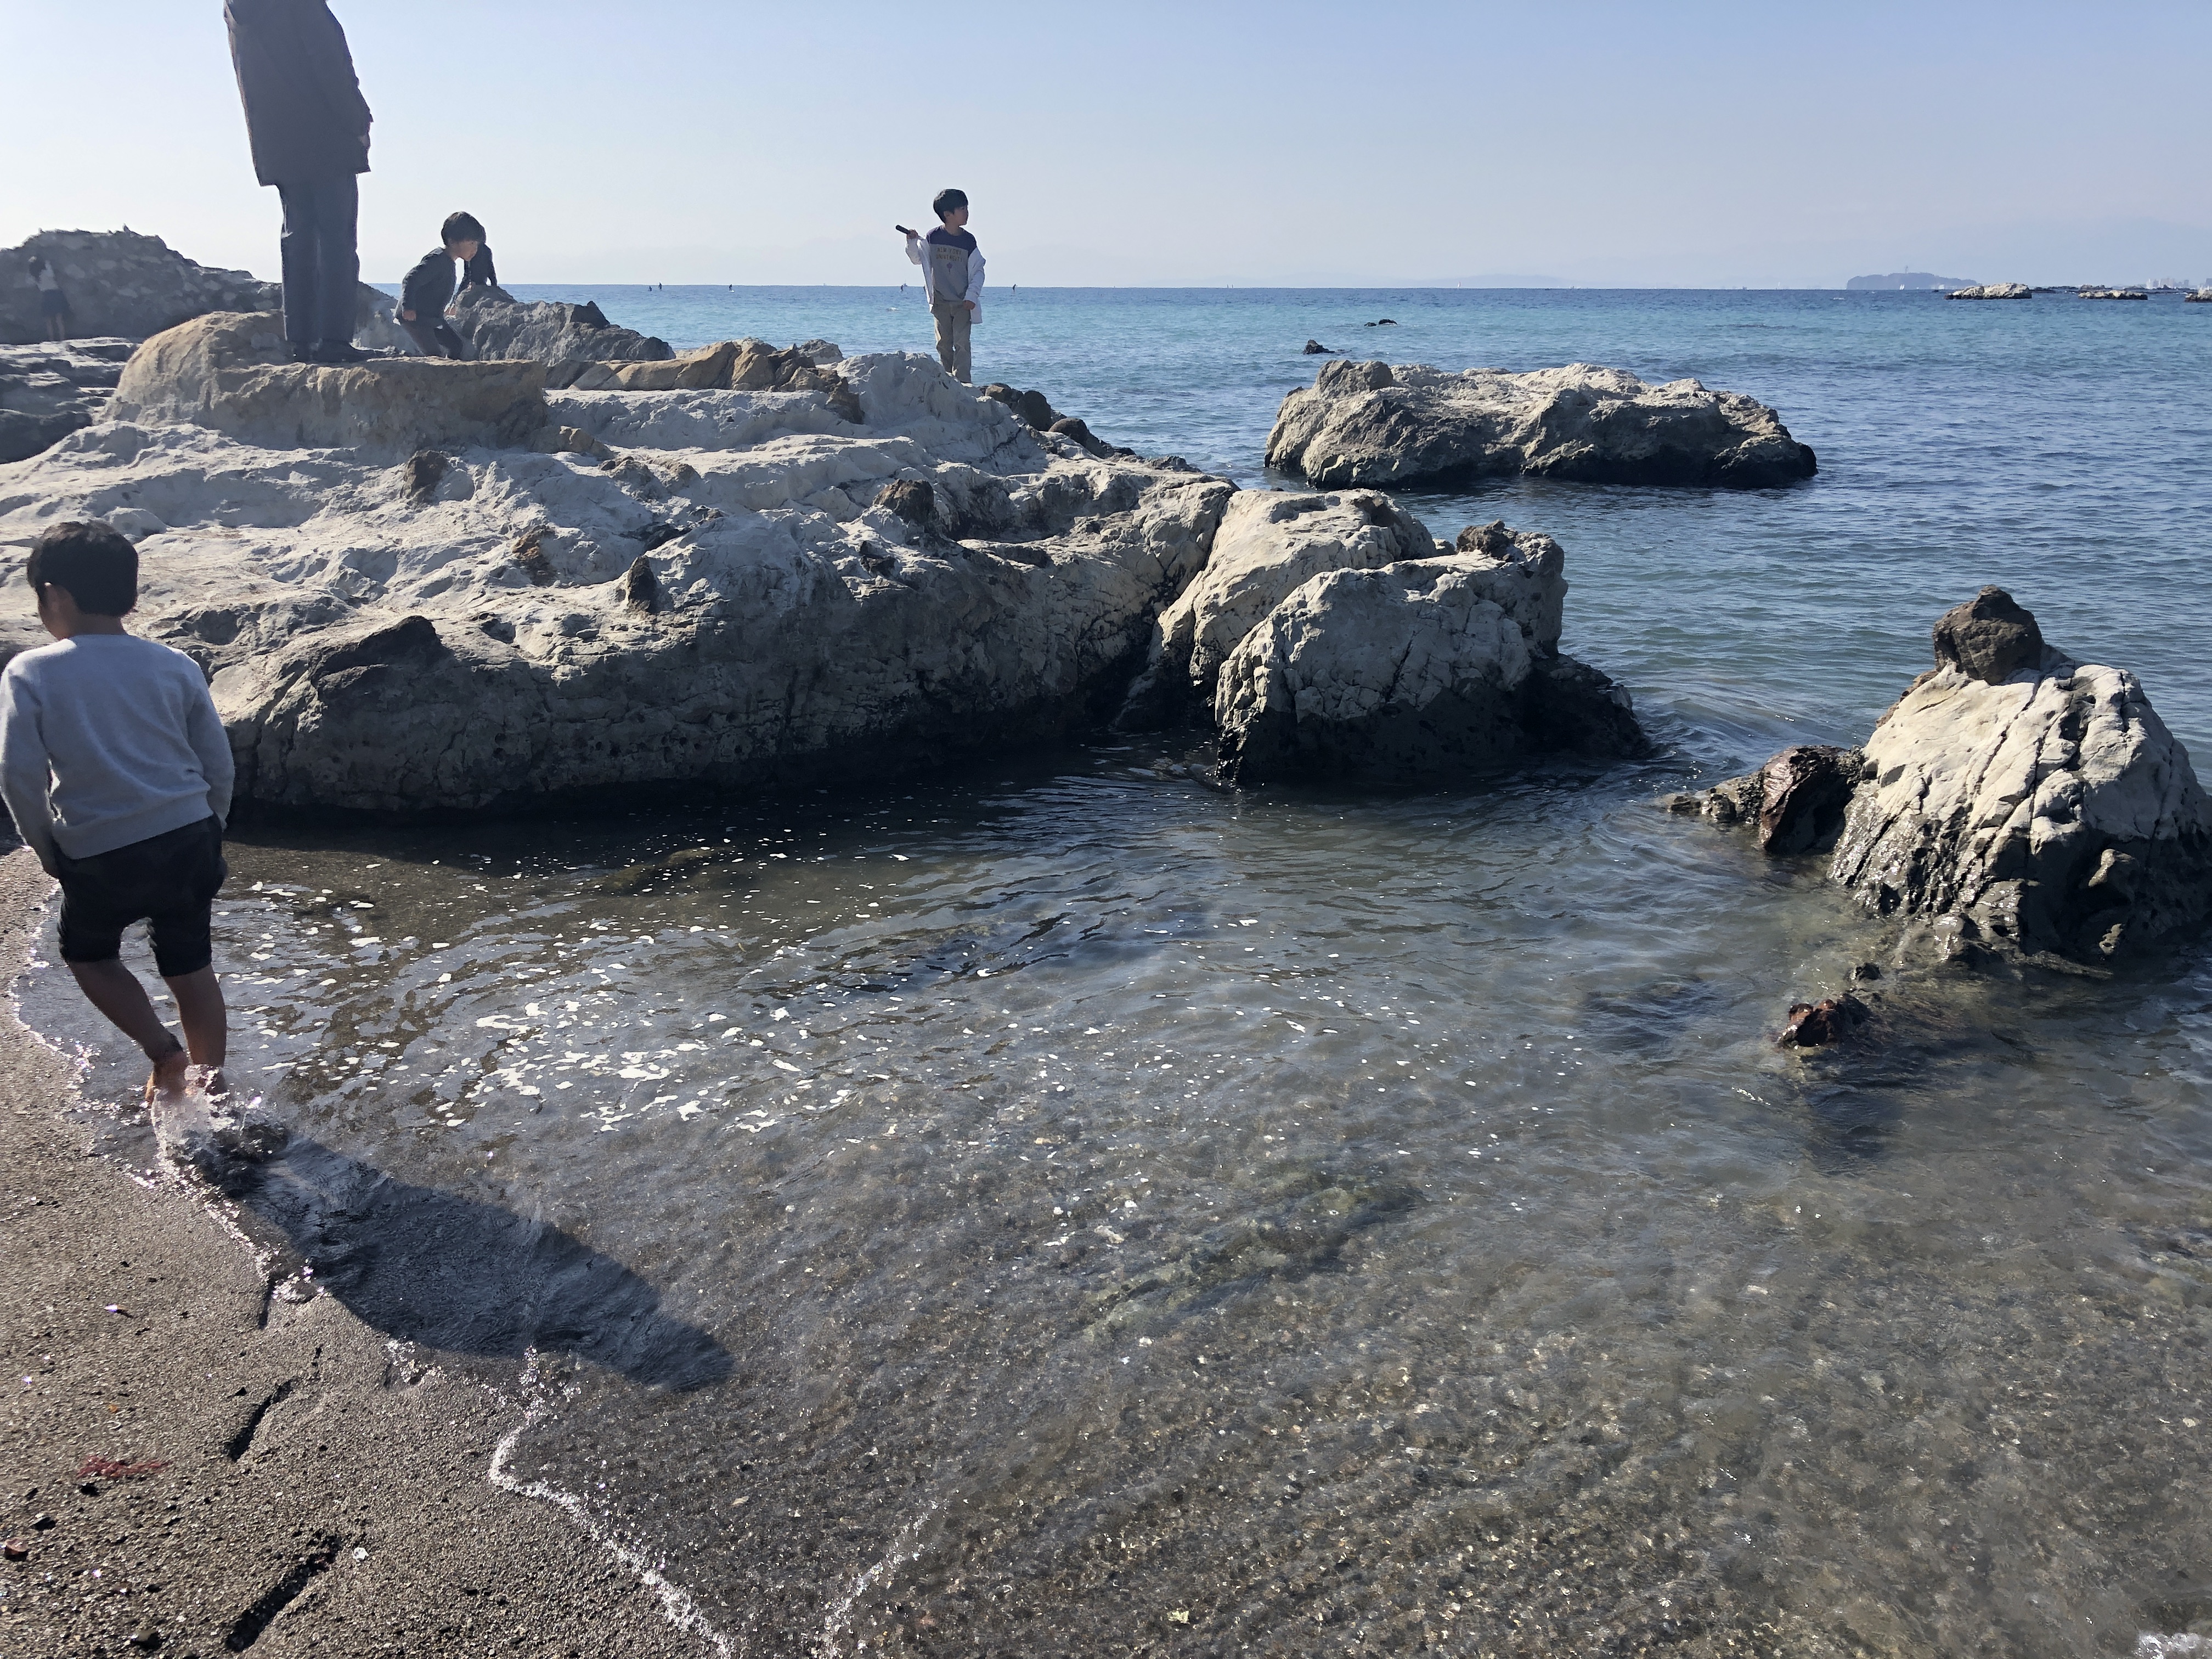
[1709, 144]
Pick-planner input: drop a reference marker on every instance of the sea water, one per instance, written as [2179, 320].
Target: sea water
[1061, 1208]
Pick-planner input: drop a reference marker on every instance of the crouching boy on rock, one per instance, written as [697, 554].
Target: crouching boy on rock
[428, 288]
[952, 273]
[114, 765]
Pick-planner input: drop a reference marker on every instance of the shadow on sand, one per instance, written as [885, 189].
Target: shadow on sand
[450, 1273]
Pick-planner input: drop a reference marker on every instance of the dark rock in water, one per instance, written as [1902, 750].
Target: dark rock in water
[1804, 792]
[1797, 801]
[1371, 424]
[1990, 638]
[1316, 349]
[1816, 1025]
[1382, 322]
[913, 499]
[1865, 971]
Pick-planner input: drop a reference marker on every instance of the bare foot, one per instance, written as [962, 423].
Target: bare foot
[166, 1087]
[208, 1080]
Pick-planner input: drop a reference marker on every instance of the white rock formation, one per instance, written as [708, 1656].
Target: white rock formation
[753, 589]
[1370, 424]
[2012, 800]
[229, 371]
[2051, 813]
[1993, 291]
[1270, 544]
[48, 391]
[1422, 670]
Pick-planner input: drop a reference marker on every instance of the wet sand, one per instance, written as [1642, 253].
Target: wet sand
[318, 1489]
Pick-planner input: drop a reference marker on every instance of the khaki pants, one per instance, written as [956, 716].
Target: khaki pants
[954, 320]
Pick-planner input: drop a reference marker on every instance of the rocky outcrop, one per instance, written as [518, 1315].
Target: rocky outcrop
[1270, 544]
[498, 327]
[121, 283]
[48, 391]
[1368, 423]
[229, 372]
[765, 592]
[1993, 291]
[2199, 296]
[1417, 671]
[2013, 800]
[1332, 635]
[2110, 293]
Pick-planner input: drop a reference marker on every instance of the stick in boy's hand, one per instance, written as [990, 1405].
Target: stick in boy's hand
[903, 231]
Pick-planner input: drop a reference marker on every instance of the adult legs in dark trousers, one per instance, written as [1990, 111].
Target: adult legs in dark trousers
[435, 339]
[322, 268]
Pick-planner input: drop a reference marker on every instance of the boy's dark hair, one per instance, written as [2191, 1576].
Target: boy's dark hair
[94, 564]
[947, 200]
[461, 228]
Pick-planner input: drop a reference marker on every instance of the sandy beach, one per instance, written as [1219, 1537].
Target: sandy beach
[308, 1486]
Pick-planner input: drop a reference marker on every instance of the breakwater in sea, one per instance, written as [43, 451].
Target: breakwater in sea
[1062, 1205]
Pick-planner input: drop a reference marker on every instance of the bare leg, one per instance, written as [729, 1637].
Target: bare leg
[200, 1011]
[115, 991]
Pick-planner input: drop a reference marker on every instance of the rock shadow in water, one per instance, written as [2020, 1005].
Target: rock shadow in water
[451, 1272]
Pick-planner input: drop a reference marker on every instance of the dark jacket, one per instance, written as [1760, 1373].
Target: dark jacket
[305, 115]
[427, 290]
[478, 273]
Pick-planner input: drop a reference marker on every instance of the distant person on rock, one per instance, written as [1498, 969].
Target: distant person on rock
[53, 303]
[952, 273]
[308, 125]
[427, 290]
[114, 765]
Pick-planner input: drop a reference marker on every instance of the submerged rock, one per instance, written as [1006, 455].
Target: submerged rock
[2026, 806]
[1817, 1025]
[1417, 671]
[1993, 291]
[1368, 423]
[1316, 349]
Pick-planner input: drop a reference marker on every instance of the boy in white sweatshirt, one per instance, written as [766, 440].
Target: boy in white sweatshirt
[952, 274]
[115, 768]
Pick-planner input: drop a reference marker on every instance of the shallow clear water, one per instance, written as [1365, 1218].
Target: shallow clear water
[1063, 1208]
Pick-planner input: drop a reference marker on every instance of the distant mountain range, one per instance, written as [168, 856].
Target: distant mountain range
[1920, 279]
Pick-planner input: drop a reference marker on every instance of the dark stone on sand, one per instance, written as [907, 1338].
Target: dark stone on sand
[1990, 638]
[1816, 1025]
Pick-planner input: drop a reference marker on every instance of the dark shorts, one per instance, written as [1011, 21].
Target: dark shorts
[168, 881]
[52, 302]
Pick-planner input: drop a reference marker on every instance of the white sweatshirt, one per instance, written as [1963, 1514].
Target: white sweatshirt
[916, 251]
[106, 740]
